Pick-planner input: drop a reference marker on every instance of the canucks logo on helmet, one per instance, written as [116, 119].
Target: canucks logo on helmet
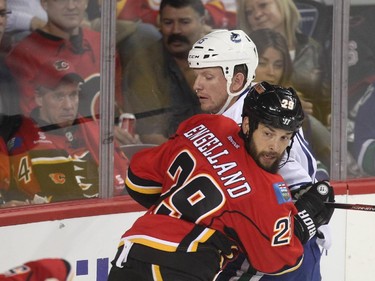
[235, 37]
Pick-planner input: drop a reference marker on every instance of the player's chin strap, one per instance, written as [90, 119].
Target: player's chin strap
[232, 95]
[287, 150]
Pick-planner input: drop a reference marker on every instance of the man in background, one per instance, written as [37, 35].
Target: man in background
[158, 81]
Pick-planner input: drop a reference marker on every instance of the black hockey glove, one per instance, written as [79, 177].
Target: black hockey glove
[312, 212]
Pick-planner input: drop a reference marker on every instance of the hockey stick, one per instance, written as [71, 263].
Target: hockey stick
[356, 207]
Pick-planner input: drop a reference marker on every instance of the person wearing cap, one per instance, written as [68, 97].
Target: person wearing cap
[55, 152]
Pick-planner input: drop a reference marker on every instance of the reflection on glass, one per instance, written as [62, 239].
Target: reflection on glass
[361, 76]
[51, 107]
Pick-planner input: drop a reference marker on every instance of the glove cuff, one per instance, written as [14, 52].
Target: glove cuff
[304, 226]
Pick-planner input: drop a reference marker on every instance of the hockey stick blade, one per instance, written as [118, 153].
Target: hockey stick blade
[356, 207]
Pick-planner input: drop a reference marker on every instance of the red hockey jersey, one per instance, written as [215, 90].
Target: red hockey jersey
[60, 163]
[205, 176]
[26, 58]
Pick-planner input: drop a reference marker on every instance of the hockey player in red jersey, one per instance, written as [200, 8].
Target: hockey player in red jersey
[212, 190]
[54, 155]
[47, 269]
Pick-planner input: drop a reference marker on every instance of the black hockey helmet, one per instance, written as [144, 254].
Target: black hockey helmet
[273, 105]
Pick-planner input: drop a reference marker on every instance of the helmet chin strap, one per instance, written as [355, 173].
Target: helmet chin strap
[287, 151]
[229, 99]
[231, 95]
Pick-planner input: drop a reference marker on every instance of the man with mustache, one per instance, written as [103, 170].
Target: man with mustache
[158, 84]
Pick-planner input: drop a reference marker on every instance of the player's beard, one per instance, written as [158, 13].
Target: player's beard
[256, 155]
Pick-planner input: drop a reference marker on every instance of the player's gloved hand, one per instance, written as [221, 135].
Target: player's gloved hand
[312, 212]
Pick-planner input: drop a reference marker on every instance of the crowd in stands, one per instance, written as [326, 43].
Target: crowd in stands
[52, 136]
[153, 78]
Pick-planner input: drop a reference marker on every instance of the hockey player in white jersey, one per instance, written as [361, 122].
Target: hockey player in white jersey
[224, 62]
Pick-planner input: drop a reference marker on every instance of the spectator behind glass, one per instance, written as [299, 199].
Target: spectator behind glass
[362, 146]
[361, 77]
[55, 153]
[26, 16]
[309, 74]
[275, 66]
[61, 38]
[158, 81]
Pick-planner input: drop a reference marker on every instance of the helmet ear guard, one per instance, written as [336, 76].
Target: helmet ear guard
[275, 106]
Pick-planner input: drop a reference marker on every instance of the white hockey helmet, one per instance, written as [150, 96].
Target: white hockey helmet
[226, 49]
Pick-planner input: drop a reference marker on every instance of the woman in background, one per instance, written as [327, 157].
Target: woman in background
[308, 75]
[275, 66]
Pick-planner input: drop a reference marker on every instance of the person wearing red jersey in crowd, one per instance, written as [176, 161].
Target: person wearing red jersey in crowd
[62, 37]
[47, 269]
[213, 190]
[54, 155]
